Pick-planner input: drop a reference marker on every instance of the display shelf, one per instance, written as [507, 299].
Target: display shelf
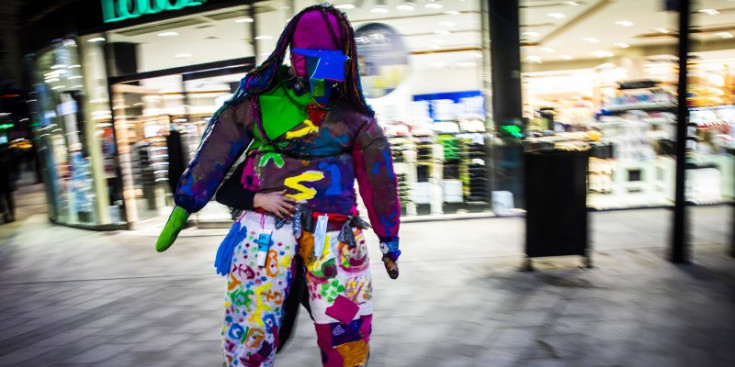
[643, 106]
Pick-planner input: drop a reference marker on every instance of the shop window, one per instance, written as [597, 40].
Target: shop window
[421, 68]
[67, 136]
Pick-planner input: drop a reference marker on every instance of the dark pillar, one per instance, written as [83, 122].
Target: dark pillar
[679, 248]
[732, 215]
[505, 58]
[253, 32]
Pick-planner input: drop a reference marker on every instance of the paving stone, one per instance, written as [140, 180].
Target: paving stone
[110, 300]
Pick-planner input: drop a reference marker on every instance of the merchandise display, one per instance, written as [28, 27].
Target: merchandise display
[444, 161]
[631, 160]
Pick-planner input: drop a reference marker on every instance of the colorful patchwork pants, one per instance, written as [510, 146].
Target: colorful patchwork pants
[339, 284]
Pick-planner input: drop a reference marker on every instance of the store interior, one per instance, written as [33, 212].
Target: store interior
[603, 74]
[597, 75]
[439, 80]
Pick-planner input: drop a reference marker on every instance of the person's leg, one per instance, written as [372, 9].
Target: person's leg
[11, 205]
[255, 294]
[4, 208]
[340, 295]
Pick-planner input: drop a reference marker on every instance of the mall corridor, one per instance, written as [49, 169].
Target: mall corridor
[71, 297]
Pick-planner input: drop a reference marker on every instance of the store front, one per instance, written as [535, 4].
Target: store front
[110, 94]
[603, 74]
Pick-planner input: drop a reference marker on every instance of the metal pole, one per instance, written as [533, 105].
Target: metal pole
[679, 249]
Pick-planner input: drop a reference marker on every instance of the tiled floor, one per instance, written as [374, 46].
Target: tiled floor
[77, 298]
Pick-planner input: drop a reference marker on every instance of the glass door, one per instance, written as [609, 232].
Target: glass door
[145, 112]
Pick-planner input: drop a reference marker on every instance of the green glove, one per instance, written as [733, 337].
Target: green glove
[171, 230]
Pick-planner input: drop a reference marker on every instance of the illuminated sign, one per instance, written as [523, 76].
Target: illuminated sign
[513, 131]
[118, 10]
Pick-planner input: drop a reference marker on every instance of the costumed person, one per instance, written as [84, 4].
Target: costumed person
[312, 135]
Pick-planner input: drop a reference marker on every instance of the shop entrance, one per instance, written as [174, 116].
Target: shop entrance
[159, 119]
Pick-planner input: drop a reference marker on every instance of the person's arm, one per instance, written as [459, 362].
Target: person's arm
[233, 194]
[373, 163]
[226, 139]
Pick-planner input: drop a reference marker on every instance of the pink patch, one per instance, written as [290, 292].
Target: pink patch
[343, 309]
[312, 33]
[249, 179]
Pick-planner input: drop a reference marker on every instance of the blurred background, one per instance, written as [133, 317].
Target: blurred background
[521, 130]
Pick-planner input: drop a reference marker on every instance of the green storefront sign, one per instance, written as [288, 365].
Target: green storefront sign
[118, 10]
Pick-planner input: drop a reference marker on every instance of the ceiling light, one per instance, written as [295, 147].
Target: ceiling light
[58, 87]
[57, 66]
[547, 50]
[624, 23]
[556, 15]
[442, 32]
[622, 44]
[183, 56]
[591, 39]
[565, 57]
[536, 59]
[709, 11]
[168, 34]
[601, 54]
[724, 35]
[96, 39]
[448, 24]
[75, 66]
[407, 5]
[264, 37]
[477, 54]
[572, 3]
[530, 34]
[452, 12]
[433, 4]
[52, 80]
[77, 86]
[380, 7]
[345, 6]
[244, 20]
[661, 30]
[74, 77]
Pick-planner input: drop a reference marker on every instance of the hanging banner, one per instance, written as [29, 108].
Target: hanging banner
[383, 58]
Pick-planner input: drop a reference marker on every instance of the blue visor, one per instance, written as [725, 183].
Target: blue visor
[324, 64]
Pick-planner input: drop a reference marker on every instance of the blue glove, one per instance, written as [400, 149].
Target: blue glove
[223, 261]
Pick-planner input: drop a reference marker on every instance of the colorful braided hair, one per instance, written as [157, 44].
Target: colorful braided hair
[263, 77]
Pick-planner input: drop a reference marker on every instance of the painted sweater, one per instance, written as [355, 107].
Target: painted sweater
[316, 165]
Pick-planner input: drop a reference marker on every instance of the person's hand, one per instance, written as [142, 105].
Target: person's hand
[390, 266]
[175, 223]
[275, 202]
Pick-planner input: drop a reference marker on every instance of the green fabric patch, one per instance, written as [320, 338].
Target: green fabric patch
[279, 114]
[319, 88]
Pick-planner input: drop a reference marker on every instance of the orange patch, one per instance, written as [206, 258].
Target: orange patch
[306, 247]
[354, 354]
[234, 282]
